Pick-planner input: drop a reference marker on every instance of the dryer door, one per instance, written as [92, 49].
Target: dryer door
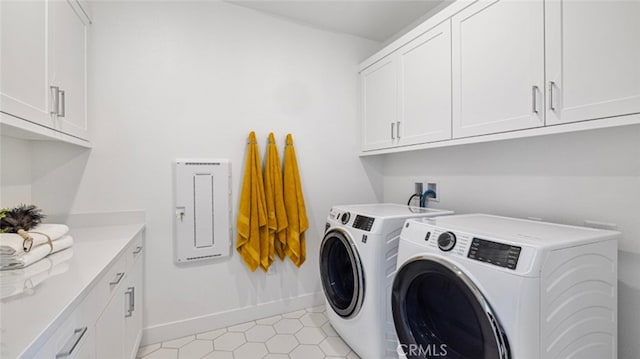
[341, 273]
[439, 311]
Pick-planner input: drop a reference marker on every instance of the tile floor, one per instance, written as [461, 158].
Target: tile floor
[303, 334]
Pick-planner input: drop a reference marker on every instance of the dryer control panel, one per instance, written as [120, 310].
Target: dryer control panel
[483, 249]
[503, 255]
[364, 223]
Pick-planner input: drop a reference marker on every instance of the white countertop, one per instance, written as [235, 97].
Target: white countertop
[29, 318]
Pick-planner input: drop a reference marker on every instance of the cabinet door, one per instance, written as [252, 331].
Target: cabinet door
[133, 318]
[110, 327]
[425, 87]
[498, 67]
[23, 44]
[593, 59]
[379, 104]
[67, 50]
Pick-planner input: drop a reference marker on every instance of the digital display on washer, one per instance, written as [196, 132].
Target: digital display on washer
[362, 222]
[503, 255]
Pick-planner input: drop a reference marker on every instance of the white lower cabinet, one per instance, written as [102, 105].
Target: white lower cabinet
[74, 339]
[110, 329]
[134, 296]
[108, 321]
[85, 349]
[119, 327]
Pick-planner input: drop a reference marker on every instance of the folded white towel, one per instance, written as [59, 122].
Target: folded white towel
[36, 254]
[25, 280]
[11, 243]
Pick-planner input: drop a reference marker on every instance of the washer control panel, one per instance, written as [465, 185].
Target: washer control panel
[503, 255]
[346, 218]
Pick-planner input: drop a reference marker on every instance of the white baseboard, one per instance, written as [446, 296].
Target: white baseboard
[178, 329]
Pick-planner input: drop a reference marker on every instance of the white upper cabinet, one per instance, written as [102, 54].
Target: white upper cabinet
[406, 96]
[67, 62]
[23, 40]
[498, 67]
[44, 66]
[379, 85]
[425, 87]
[593, 59]
[494, 69]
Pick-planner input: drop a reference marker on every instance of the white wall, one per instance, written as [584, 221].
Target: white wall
[568, 178]
[15, 172]
[170, 80]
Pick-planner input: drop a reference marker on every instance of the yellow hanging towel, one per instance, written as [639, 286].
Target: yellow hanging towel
[252, 217]
[294, 203]
[276, 212]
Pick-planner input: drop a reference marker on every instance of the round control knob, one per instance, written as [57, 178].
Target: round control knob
[345, 217]
[446, 241]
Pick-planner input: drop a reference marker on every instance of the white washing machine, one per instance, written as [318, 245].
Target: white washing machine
[357, 266]
[486, 287]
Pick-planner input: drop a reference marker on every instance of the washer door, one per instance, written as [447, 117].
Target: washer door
[341, 273]
[439, 311]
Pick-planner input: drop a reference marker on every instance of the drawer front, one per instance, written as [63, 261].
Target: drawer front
[86, 347]
[108, 284]
[134, 251]
[73, 339]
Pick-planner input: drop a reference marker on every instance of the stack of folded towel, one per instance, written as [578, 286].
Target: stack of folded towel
[47, 239]
[23, 281]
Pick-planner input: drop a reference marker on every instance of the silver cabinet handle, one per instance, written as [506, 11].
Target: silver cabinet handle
[137, 250]
[392, 136]
[398, 129]
[63, 101]
[72, 343]
[552, 105]
[55, 99]
[133, 299]
[131, 294]
[118, 279]
[534, 99]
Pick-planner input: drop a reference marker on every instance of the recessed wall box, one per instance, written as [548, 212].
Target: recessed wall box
[202, 214]
[433, 186]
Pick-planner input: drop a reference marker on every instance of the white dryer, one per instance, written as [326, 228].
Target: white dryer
[357, 266]
[486, 287]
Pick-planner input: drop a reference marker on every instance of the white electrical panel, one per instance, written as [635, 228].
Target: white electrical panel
[202, 209]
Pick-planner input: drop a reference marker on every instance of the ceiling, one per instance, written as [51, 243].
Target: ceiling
[377, 20]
